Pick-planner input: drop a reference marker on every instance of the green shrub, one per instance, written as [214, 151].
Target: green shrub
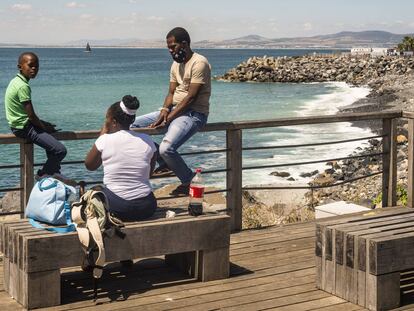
[401, 196]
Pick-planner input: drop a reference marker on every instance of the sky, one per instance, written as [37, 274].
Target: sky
[62, 21]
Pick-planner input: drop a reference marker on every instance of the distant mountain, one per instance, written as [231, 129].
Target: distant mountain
[250, 38]
[340, 40]
[343, 40]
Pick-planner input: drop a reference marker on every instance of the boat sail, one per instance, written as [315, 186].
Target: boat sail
[88, 48]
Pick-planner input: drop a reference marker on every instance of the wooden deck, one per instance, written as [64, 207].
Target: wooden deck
[272, 269]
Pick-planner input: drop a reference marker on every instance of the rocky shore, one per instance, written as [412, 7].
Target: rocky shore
[361, 70]
[391, 82]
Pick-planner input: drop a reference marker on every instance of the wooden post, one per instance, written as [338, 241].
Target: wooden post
[410, 189]
[26, 173]
[214, 264]
[234, 178]
[389, 163]
[22, 197]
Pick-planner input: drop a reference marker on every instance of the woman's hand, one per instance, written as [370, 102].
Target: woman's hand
[105, 128]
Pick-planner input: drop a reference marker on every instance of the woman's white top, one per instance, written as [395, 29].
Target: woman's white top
[126, 160]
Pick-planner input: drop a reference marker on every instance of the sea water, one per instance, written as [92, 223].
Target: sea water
[73, 90]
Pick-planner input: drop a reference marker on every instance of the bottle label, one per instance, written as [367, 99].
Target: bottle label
[196, 192]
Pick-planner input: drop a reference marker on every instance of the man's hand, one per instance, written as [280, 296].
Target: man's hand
[162, 120]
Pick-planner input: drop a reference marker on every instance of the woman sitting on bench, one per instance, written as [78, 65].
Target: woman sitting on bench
[128, 159]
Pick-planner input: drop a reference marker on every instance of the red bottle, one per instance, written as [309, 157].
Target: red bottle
[195, 205]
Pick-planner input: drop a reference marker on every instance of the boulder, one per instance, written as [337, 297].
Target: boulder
[322, 180]
[280, 174]
[309, 174]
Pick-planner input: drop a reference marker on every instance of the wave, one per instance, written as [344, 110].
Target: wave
[342, 95]
[339, 94]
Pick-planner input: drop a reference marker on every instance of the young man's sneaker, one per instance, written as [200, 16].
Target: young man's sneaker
[181, 190]
[65, 180]
[162, 172]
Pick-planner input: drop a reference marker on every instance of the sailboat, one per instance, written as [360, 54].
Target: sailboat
[88, 48]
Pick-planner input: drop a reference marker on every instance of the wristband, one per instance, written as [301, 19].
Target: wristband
[166, 109]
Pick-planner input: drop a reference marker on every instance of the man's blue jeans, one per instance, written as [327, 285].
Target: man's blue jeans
[55, 150]
[179, 131]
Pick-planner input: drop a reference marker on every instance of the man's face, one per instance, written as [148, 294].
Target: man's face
[177, 50]
[29, 66]
[173, 47]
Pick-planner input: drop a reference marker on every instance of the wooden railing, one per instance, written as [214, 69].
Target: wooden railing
[234, 151]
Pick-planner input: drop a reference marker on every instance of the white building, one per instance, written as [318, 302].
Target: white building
[375, 52]
[361, 51]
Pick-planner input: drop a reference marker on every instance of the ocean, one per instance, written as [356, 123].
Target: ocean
[73, 90]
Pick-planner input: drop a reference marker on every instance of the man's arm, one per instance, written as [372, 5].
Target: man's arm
[28, 107]
[193, 90]
[168, 102]
[200, 73]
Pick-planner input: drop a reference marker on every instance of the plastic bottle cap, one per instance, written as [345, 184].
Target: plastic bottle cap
[198, 170]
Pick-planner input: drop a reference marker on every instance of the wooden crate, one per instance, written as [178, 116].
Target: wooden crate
[360, 257]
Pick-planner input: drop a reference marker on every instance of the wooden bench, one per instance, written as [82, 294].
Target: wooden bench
[33, 258]
[363, 257]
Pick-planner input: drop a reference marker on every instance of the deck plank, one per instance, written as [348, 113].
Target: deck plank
[272, 269]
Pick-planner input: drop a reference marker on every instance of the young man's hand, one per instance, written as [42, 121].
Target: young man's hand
[162, 120]
[49, 127]
[48, 123]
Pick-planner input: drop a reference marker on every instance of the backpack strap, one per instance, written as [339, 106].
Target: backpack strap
[85, 214]
[95, 231]
[70, 227]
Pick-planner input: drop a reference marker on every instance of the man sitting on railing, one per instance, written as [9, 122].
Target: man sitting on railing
[185, 109]
[24, 122]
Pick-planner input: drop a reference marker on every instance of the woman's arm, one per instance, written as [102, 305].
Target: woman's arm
[93, 160]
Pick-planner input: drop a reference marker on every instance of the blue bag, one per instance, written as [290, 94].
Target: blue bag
[49, 202]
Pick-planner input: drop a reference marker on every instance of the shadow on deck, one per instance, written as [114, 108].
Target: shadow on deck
[272, 268]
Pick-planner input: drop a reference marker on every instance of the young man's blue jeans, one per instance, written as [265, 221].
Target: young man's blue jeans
[179, 131]
[55, 150]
